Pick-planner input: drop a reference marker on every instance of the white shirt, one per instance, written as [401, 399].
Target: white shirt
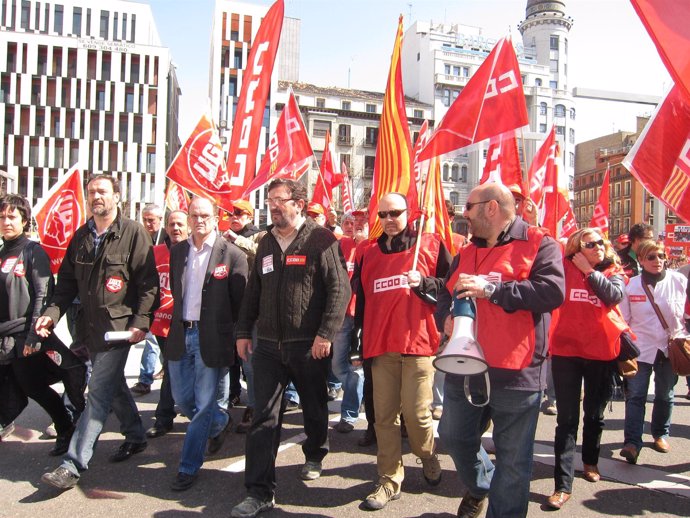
[285, 241]
[197, 264]
[669, 295]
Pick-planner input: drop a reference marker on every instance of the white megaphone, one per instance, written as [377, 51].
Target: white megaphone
[462, 354]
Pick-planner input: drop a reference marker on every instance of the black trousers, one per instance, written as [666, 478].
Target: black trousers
[368, 393]
[274, 368]
[568, 376]
[165, 409]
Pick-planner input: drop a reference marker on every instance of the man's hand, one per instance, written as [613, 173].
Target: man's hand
[470, 286]
[321, 348]
[244, 348]
[43, 326]
[137, 335]
[414, 278]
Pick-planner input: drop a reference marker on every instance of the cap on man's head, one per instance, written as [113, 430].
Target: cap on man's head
[515, 189]
[243, 205]
[360, 212]
[315, 208]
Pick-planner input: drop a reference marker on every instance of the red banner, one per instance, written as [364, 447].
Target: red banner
[328, 178]
[667, 22]
[424, 135]
[542, 163]
[256, 84]
[199, 165]
[289, 152]
[491, 103]
[554, 201]
[59, 215]
[434, 206]
[600, 216]
[176, 198]
[392, 165]
[569, 223]
[503, 162]
[660, 159]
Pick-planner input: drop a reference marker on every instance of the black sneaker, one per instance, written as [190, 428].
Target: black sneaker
[183, 481]
[216, 443]
[368, 438]
[140, 389]
[62, 443]
[158, 430]
[126, 450]
[250, 507]
[62, 478]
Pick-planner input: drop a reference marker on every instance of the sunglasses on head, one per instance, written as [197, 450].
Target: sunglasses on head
[654, 257]
[383, 214]
[592, 244]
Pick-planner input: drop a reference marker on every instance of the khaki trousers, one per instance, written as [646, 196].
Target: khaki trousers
[402, 383]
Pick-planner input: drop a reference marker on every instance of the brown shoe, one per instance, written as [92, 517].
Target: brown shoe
[470, 506]
[591, 473]
[558, 499]
[630, 453]
[661, 445]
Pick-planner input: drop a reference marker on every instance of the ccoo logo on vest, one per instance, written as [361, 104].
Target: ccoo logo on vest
[395, 282]
[579, 295]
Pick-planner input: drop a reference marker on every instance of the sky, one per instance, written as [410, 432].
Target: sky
[352, 40]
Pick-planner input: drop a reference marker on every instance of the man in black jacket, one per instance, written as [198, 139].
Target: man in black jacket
[109, 264]
[297, 295]
[207, 280]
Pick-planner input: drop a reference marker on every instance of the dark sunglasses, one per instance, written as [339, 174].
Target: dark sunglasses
[239, 212]
[469, 204]
[383, 214]
[592, 244]
[654, 257]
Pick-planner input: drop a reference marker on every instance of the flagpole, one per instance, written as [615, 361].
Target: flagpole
[422, 217]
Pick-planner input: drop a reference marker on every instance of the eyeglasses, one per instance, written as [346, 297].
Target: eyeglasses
[592, 244]
[654, 257]
[383, 214]
[278, 201]
[239, 213]
[469, 204]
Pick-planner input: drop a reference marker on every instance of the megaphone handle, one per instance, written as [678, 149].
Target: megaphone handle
[488, 391]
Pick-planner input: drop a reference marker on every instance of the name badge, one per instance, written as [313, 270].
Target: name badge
[267, 264]
[638, 298]
[220, 271]
[295, 260]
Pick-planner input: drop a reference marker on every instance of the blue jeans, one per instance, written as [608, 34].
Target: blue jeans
[195, 389]
[514, 414]
[149, 359]
[636, 399]
[223, 395]
[108, 391]
[437, 389]
[290, 393]
[351, 377]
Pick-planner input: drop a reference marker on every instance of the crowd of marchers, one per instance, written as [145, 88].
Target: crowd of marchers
[311, 309]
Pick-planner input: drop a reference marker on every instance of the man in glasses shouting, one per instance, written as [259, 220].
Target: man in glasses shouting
[395, 305]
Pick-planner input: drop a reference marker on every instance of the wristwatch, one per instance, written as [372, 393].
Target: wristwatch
[489, 289]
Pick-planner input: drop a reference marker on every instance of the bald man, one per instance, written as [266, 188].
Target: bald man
[514, 273]
[395, 306]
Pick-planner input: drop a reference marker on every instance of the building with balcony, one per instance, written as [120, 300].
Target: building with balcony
[629, 202]
[85, 83]
[352, 118]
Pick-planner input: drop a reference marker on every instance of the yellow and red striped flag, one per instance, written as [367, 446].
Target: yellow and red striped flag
[434, 206]
[392, 166]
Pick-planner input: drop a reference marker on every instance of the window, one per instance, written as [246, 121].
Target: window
[456, 70]
[371, 108]
[446, 69]
[559, 110]
[455, 172]
[24, 23]
[572, 113]
[100, 99]
[463, 175]
[627, 207]
[553, 85]
[542, 128]
[115, 26]
[372, 135]
[446, 173]
[537, 81]
[129, 102]
[344, 134]
[617, 190]
[104, 24]
[626, 188]
[345, 159]
[57, 22]
[446, 97]
[320, 102]
[572, 159]
[553, 65]
[346, 105]
[320, 128]
[542, 108]
[465, 71]
[237, 63]
[418, 114]
[571, 136]
[76, 21]
[234, 35]
[553, 42]
[369, 166]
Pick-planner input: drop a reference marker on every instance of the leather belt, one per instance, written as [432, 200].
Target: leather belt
[190, 324]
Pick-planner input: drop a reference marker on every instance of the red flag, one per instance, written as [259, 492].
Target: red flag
[346, 190]
[256, 84]
[666, 22]
[199, 165]
[424, 134]
[554, 201]
[491, 103]
[328, 177]
[542, 162]
[600, 216]
[289, 152]
[660, 159]
[434, 205]
[569, 223]
[503, 161]
[59, 215]
[176, 198]
[392, 165]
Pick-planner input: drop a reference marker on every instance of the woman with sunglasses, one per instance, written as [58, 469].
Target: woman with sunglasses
[585, 338]
[668, 290]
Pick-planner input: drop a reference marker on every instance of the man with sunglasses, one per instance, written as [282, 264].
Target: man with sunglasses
[514, 273]
[297, 294]
[394, 308]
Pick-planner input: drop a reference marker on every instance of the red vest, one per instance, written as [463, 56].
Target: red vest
[162, 316]
[396, 319]
[507, 339]
[348, 247]
[585, 328]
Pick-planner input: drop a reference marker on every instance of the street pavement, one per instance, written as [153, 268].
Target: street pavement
[659, 485]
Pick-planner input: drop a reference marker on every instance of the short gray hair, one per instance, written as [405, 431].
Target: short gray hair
[152, 208]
